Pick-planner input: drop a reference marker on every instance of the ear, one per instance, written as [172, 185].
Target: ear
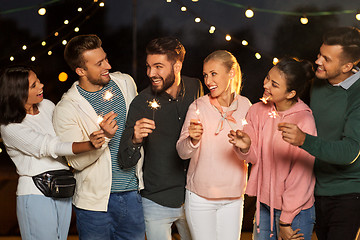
[232, 73]
[177, 67]
[347, 67]
[80, 71]
[291, 94]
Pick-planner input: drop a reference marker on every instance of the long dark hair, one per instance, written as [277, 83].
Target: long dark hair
[14, 91]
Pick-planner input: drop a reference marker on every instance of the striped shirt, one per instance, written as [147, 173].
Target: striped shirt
[110, 98]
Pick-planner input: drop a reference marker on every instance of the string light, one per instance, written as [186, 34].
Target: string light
[168, 1]
[304, 20]
[197, 20]
[56, 33]
[42, 11]
[357, 16]
[183, 9]
[275, 60]
[102, 4]
[244, 43]
[63, 77]
[249, 13]
[257, 55]
[212, 29]
[227, 37]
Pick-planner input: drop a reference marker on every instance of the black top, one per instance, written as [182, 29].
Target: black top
[164, 171]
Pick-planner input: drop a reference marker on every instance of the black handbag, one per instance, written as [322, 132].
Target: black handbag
[56, 183]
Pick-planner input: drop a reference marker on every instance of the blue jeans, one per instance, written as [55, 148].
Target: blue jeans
[124, 219]
[43, 218]
[159, 219]
[305, 221]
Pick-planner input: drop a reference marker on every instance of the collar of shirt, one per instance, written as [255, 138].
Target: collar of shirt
[347, 83]
[181, 92]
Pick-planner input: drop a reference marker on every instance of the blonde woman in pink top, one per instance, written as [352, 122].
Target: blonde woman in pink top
[282, 175]
[216, 177]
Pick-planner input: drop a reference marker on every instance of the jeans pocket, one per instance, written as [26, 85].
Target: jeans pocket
[138, 197]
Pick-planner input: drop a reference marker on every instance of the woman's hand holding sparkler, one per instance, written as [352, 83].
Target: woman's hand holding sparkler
[195, 131]
[142, 129]
[240, 139]
[108, 124]
[97, 139]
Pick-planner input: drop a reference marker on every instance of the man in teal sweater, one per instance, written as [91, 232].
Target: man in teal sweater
[335, 102]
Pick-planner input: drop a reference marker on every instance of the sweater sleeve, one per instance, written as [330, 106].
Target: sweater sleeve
[129, 154]
[33, 143]
[184, 146]
[67, 128]
[341, 152]
[250, 128]
[300, 183]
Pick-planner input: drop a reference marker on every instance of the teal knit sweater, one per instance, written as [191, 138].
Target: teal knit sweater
[337, 117]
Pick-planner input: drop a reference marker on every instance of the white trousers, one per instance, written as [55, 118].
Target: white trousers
[213, 219]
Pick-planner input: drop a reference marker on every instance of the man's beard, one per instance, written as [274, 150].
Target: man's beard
[167, 83]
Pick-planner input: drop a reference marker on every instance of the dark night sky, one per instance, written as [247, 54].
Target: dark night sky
[224, 17]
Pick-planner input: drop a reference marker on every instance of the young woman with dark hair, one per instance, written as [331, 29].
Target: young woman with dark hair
[281, 176]
[29, 137]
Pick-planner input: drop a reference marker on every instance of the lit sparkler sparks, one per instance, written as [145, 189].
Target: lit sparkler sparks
[244, 122]
[107, 95]
[265, 100]
[99, 119]
[273, 114]
[154, 105]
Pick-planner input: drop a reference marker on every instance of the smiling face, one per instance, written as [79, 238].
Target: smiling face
[217, 78]
[95, 74]
[330, 64]
[160, 72]
[275, 88]
[35, 95]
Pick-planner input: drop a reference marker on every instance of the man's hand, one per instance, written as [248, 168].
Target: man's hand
[97, 139]
[240, 139]
[292, 134]
[195, 131]
[108, 124]
[142, 129]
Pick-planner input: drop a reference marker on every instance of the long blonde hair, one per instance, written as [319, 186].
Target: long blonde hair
[230, 62]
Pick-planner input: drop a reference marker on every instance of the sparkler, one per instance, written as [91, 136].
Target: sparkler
[265, 100]
[99, 119]
[107, 95]
[197, 110]
[273, 114]
[154, 105]
[244, 122]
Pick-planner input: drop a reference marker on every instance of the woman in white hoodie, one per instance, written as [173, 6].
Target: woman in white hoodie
[31, 142]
